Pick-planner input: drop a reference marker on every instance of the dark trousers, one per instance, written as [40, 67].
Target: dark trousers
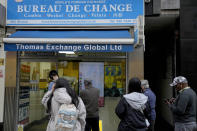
[152, 125]
[92, 123]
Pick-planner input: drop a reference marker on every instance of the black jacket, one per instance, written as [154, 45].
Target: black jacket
[131, 119]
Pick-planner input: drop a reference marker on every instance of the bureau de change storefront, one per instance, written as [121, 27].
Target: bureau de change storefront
[80, 39]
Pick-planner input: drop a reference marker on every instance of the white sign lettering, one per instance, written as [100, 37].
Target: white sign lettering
[39, 8]
[75, 8]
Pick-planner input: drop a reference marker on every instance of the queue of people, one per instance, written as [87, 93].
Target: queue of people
[136, 110]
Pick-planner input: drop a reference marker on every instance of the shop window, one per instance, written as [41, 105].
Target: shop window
[33, 84]
[115, 80]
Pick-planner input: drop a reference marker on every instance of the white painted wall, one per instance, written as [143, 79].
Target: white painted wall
[2, 72]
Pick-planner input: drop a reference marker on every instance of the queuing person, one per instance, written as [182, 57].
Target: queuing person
[62, 93]
[151, 101]
[184, 106]
[132, 108]
[53, 75]
[90, 97]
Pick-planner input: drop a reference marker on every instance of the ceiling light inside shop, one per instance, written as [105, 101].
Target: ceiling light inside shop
[67, 52]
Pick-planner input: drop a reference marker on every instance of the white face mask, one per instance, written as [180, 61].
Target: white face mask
[142, 88]
[55, 77]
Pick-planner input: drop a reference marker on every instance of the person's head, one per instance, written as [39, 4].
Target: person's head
[179, 83]
[87, 82]
[134, 85]
[53, 75]
[63, 83]
[144, 84]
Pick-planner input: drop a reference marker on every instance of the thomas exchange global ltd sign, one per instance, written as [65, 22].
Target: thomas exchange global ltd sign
[70, 47]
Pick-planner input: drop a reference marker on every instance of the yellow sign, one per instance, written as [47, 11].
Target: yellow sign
[43, 85]
[20, 127]
[1, 61]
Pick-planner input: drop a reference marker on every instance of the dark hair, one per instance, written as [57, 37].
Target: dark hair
[52, 73]
[87, 83]
[134, 85]
[63, 83]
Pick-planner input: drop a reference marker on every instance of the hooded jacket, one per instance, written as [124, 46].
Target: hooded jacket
[60, 96]
[130, 110]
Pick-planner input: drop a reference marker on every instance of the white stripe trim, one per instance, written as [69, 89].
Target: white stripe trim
[72, 21]
[69, 40]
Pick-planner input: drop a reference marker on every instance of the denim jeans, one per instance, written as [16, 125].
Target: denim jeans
[190, 126]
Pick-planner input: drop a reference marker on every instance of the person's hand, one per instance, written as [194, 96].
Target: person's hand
[167, 101]
[172, 100]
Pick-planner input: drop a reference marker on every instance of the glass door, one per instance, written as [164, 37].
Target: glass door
[33, 84]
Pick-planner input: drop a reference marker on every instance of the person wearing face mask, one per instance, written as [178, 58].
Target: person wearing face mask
[53, 75]
[184, 106]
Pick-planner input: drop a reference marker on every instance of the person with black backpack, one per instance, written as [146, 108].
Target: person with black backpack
[64, 105]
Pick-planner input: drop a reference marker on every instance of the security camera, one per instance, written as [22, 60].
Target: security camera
[147, 1]
[8, 34]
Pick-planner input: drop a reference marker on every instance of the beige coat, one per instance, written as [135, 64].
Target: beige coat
[60, 96]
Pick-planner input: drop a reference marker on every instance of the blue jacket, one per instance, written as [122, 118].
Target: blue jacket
[152, 101]
[50, 86]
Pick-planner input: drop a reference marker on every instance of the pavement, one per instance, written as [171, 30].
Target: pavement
[160, 125]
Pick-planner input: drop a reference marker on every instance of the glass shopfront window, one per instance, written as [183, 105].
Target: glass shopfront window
[34, 82]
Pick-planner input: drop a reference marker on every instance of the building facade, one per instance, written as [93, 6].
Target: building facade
[169, 51]
[161, 37]
[106, 41]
